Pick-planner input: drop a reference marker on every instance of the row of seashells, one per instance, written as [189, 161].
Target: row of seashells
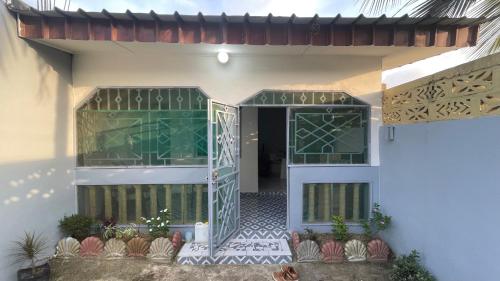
[160, 249]
[334, 251]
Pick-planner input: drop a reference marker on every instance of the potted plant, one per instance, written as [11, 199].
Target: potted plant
[30, 249]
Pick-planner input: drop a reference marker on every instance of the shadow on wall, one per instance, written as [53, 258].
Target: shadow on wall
[37, 162]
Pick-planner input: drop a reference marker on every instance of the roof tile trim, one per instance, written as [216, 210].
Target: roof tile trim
[270, 30]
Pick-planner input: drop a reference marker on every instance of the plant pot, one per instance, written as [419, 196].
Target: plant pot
[42, 273]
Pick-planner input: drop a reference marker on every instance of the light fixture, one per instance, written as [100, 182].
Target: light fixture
[222, 57]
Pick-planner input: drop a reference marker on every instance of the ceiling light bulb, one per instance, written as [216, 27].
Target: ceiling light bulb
[222, 57]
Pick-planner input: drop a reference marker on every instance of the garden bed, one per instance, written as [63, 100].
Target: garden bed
[142, 269]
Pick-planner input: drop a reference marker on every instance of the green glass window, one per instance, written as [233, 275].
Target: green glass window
[188, 203]
[328, 135]
[321, 201]
[143, 127]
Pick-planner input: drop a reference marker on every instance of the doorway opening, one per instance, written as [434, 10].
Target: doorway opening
[263, 198]
[272, 149]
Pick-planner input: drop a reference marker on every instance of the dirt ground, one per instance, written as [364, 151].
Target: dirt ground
[81, 269]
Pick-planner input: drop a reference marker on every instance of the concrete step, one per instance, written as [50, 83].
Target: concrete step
[238, 251]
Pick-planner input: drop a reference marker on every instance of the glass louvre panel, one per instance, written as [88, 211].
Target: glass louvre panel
[321, 201]
[188, 203]
[302, 98]
[328, 135]
[143, 127]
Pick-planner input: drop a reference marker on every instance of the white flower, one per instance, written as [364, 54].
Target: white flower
[150, 229]
[148, 221]
[162, 224]
[158, 218]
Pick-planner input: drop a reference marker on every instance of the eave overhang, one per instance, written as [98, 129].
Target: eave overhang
[402, 31]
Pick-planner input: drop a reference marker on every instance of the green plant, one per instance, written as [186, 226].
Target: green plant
[340, 229]
[378, 222]
[120, 232]
[29, 249]
[159, 226]
[76, 226]
[408, 268]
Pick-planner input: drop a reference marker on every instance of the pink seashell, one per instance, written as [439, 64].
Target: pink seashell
[91, 247]
[295, 240]
[137, 247]
[378, 251]
[177, 240]
[333, 252]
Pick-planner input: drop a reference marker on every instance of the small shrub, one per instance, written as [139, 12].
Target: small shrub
[127, 232]
[76, 226]
[159, 226]
[340, 229]
[378, 222]
[408, 268]
[108, 229]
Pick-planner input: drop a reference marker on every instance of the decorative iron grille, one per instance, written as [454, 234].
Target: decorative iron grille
[143, 127]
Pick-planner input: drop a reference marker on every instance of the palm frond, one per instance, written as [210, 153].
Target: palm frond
[441, 8]
[377, 7]
[485, 8]
[489, 40]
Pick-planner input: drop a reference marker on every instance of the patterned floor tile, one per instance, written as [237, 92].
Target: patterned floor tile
[262, 237]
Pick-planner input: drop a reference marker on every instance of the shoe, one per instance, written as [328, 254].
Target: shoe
[290, 273]
[279, 276]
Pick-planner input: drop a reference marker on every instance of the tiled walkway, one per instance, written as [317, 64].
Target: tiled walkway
[263, 216]
[262, 237]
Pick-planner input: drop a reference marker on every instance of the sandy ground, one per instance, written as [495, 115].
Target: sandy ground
[80, 269]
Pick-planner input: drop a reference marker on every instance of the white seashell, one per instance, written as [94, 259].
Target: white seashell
[355, 250]
[308, 251]
[115, 248]
[161, 249]
[67, 248]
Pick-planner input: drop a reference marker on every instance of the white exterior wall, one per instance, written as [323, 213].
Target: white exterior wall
[36, 147]
[242, 77]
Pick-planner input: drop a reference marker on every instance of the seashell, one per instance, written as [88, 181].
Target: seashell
[332, 251]
[91, 247]
[295, 240]
[137, 247]
[378, 251]
[308, 251]
[177, 240]
[355, 250]
[67, 248]
[161, 248]
[114, 248]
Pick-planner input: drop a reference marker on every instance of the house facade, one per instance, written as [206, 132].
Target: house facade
[139, 115]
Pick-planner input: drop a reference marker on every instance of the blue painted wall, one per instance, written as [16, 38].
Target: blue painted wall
[441, 183]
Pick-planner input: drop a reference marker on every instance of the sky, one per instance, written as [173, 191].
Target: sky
[230, 7]
[304, 8]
